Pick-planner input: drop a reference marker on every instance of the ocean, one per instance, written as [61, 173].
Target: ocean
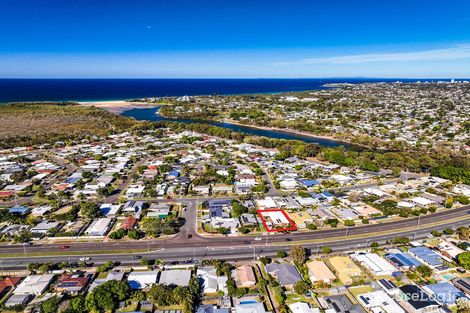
[21, 90]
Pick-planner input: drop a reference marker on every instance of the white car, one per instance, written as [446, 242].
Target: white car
[85, 258]
[258, 238]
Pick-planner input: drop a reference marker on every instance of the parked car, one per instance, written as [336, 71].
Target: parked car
[85, 258]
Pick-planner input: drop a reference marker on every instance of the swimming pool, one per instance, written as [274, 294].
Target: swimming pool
[248, 302]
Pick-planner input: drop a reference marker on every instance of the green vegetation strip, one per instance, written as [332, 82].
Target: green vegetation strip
[72, 253]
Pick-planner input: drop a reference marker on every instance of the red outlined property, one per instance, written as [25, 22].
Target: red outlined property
[276, 220]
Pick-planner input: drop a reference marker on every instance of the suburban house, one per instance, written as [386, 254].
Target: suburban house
[210, 282]
[345, 269]
[245, 276]
[319, 272]
[285, 273]
[175, 277]
[142, 280]
[73, 283]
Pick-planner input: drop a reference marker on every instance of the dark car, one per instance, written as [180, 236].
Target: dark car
[189, 236]
[63, 247]
[288, 239]
[137, 257]
[246, 242]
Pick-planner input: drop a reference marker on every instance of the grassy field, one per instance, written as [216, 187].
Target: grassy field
[25, 124]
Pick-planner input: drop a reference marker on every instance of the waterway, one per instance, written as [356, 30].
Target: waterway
[151, 114]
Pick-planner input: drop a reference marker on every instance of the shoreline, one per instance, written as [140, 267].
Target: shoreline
[117, 106]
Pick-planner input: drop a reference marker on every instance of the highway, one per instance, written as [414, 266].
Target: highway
[180, 247]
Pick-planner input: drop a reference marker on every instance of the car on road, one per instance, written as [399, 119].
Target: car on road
[189, 236]
[137, 257]
[85, 258]
[63, 247]
[247, 242]
[27, 243]
[188, 262]
[258, 238]
[288, 239]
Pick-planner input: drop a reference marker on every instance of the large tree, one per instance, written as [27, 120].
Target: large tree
[298, 255]
[107, 296]
[464, 260]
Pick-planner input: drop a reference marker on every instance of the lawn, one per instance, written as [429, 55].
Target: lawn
[360, 290]
[294, 297]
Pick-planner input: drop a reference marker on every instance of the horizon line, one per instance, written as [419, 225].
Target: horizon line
[253, 78]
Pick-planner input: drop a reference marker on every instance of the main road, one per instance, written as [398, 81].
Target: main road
[188, 244]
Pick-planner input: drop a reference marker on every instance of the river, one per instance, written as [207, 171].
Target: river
[151, 114]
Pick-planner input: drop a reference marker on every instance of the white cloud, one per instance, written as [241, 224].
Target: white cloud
[453, 53]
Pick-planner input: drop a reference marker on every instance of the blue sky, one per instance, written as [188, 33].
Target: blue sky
[224, 38]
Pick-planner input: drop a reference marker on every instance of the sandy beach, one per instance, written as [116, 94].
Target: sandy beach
[117, 106]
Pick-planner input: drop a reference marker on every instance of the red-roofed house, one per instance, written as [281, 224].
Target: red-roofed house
[6, 194]
[7, 284]
[74, 282]
[129, 222]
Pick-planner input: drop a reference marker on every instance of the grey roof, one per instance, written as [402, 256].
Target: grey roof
[209, 308]
[175, 277]
[286, 273]
[250, 308]
[247, 218]
[342, 304]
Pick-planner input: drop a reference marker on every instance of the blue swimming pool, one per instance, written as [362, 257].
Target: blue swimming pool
[248, 302]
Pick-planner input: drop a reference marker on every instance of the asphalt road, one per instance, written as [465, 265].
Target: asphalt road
[180, 247]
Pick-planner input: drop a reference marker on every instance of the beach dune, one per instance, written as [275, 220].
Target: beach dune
[117, 106]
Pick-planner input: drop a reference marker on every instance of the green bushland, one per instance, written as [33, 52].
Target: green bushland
[29, 124]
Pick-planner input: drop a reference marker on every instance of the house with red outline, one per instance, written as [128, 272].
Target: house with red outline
[276, 220]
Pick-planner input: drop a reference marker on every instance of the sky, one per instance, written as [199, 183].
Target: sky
[239, 39]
